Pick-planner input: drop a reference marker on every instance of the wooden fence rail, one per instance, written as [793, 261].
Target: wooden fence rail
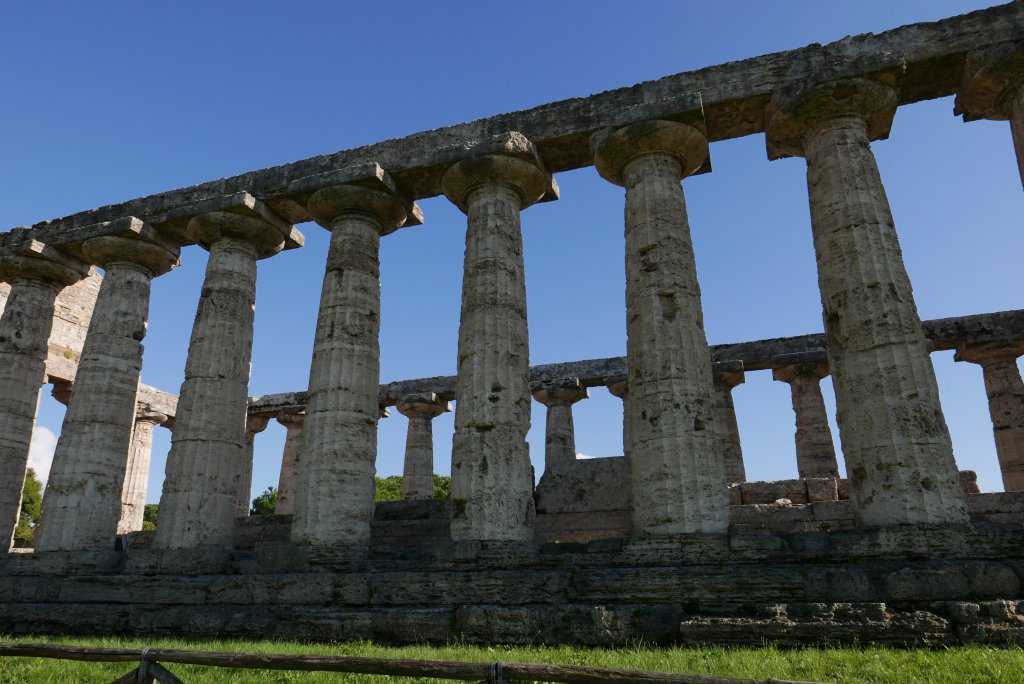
[150, 670]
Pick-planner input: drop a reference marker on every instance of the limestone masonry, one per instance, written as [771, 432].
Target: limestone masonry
[669, 543]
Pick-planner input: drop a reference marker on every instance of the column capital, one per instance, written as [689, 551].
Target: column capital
[155, 257]
[795, 114]
[34, 259]
[240, 217]
[291, 420]
[986, 352]
[366, 189]
[561, 394]
[991, 79]
[150, 416]
[62, 391]
[618, 388]
[727, 374]
[508, 160]
[257, 422]
[614, 149]
[423, 405]
[789, 367]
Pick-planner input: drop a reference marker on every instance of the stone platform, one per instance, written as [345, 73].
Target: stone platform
[910, 584]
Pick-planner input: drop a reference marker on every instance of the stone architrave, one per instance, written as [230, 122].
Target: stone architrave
[292, 423]
[136, 479]
[679, 483]
[255, 423]
[492, 479]
[200, 496]
[815, 452]
[992, 87]
[899, 457]
[36, 277]
[559, 432]
[726, 376]
[1005, 391]
[620, 389]
[418, 471]
[82, 503]
[333, 495]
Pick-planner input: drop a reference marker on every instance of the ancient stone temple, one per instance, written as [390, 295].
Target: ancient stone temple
[669, 542]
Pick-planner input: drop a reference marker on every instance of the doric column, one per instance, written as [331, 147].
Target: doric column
[418, 472]
[136, 479]
[82, 504]
[726, 375]
[559, 433]
[293, 423]
[492, 479]
[679, 482]
[1005, 404]
[207, 458]
[333, 501]
[36, 277]
[620, 389]
[992, 87]
[815, 453]
[899, 457]
[254, 425]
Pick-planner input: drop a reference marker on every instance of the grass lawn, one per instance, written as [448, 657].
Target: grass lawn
[973, 664]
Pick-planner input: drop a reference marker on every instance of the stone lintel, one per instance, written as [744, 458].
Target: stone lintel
[371, 176]
[733, 97]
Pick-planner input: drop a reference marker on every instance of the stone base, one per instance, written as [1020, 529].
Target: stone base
[907, 585]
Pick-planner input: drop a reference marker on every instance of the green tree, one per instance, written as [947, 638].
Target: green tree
[31, 508]
[442, 487]
[388, 488]
[149, 512]
[264, 503]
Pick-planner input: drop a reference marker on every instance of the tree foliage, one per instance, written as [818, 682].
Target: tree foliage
[149, 512]
[264, 503]
[31, 508]
[390, 488]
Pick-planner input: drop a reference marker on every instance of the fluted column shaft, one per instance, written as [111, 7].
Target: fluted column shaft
[679, 483]
[418, 469]
[24, 332]
[728, 428]
[136, 480]
[293, 423]
[559, 432]
[82, 504]
[621, 390]
[899, 457]
[207, 458]
[333, 497]
[1006, 405]
[815, 452]
[254, 425]
[1005, 391]
[492, 479]
[1017, 128]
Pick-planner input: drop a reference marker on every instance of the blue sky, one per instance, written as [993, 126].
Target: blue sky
[105, 102]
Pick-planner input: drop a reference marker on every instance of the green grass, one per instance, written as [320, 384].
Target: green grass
[973, 664]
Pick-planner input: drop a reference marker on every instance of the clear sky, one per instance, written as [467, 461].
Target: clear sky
[108, 101]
